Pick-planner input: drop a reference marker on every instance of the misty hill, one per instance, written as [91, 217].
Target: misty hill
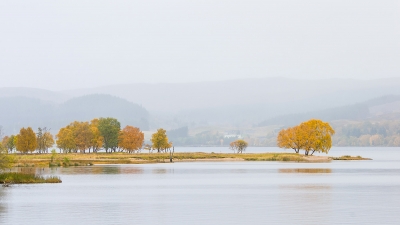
[41, 94]
[375, 108]
[23, 111]
[235, 102]
[246, 100]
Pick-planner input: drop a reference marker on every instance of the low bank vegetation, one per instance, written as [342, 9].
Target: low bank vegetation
[24, 178]
[78, 159]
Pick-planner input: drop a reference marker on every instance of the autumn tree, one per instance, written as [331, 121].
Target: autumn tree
[9, 143]
[65, 140]
[292, 138]
[82, 135]
[130, 139]
[96, 141]
[26, 140]
[160, 140]
[109, 129]
[319, 136]
[311, 136]
[238, 146]
[5, 159]
[44, 140]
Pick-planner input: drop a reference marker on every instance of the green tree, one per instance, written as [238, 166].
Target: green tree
[9, 143]
[160, 140]
[109, 129]
[26, 140]
[239, 146]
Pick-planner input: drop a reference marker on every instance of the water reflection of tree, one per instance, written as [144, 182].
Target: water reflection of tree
[305, 170]
[159, 171]
[111, 170]
[131, 170]
[3, 208]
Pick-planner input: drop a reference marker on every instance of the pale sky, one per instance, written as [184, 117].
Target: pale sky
[61, 44]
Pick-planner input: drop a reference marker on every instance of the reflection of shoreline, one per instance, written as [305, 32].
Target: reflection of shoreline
[3, 208]
[306, 170]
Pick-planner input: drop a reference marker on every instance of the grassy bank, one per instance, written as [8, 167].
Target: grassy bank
[140, 158]
[43, 160]
[23, 178]
[348, 157]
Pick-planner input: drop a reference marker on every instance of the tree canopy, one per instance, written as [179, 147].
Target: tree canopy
[160, 140]
[130, 139]
[311, 136]
[9, 143]
[44, 140]
[109, 128]
[238, 146]
[26, 140]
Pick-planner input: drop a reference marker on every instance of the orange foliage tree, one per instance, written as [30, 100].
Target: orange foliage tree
[311, 136]
[130, 139]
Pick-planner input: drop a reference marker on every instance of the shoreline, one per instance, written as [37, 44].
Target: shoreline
[78, 159]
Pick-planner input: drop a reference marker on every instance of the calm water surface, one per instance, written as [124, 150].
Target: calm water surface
[340, 192]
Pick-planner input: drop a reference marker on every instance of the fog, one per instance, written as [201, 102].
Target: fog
[204, 69]
[62, 45]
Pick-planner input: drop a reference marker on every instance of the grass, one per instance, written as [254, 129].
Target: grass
[72, 159]
[348, 157]
[26, 178]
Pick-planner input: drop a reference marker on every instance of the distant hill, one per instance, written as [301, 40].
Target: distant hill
[370, 109]
[94, 106]
[235, 102]
[246, 100]
[41, 94]
[21, 112]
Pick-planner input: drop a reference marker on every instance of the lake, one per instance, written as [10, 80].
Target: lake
[339, 192]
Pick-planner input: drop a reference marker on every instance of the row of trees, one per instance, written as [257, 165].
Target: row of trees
[103, 133]
[27, 141]
[100, 133]
[311, 136]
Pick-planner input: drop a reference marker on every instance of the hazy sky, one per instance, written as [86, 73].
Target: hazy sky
[86, 43]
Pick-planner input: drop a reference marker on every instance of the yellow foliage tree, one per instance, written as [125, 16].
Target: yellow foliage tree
[130, 139]
[160, 140]
[97, 140]
[292, 138]
[26, 140]
[311, 136]
[82, 135]
[65, 140]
